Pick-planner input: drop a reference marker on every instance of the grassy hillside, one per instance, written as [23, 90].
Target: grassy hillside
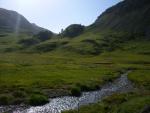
[132, 54]
[56, 66]
[33, 68]
[129, 15]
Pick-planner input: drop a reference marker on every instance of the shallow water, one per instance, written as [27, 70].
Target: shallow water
[57, 105]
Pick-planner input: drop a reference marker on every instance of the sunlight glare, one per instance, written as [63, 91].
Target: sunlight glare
[28, 2]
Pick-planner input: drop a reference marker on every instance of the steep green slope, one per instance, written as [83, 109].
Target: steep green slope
[132, 16]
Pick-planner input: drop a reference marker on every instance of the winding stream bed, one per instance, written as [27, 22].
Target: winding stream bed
[57, 105]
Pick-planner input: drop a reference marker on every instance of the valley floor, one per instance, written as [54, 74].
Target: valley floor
[28, 78]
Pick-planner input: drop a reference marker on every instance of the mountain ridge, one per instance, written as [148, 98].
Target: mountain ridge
[129, 16]
[12, 21]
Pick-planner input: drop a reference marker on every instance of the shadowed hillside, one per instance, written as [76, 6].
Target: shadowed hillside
[11, 21]
[132, 16]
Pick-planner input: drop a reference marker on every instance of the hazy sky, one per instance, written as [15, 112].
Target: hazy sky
[57, 14]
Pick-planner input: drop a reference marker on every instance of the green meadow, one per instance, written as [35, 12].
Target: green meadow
[64, 66]
[37, 64]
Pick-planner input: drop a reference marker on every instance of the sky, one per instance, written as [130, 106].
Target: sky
[58, 14]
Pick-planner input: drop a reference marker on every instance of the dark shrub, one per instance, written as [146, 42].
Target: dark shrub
[3, 35]
[18, 101]
[36, 100]
[76, 91]
[46, 47]
[29, 42]
[83, 87]
[9, 49]
[5, 99]
[116, 99]
[40, 37]
[88, 87]
[44, 35]
[19, 94]
[73, 30]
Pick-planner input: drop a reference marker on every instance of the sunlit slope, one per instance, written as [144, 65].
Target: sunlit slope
[115, 27]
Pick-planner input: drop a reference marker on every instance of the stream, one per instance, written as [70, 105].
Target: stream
[57, 105]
